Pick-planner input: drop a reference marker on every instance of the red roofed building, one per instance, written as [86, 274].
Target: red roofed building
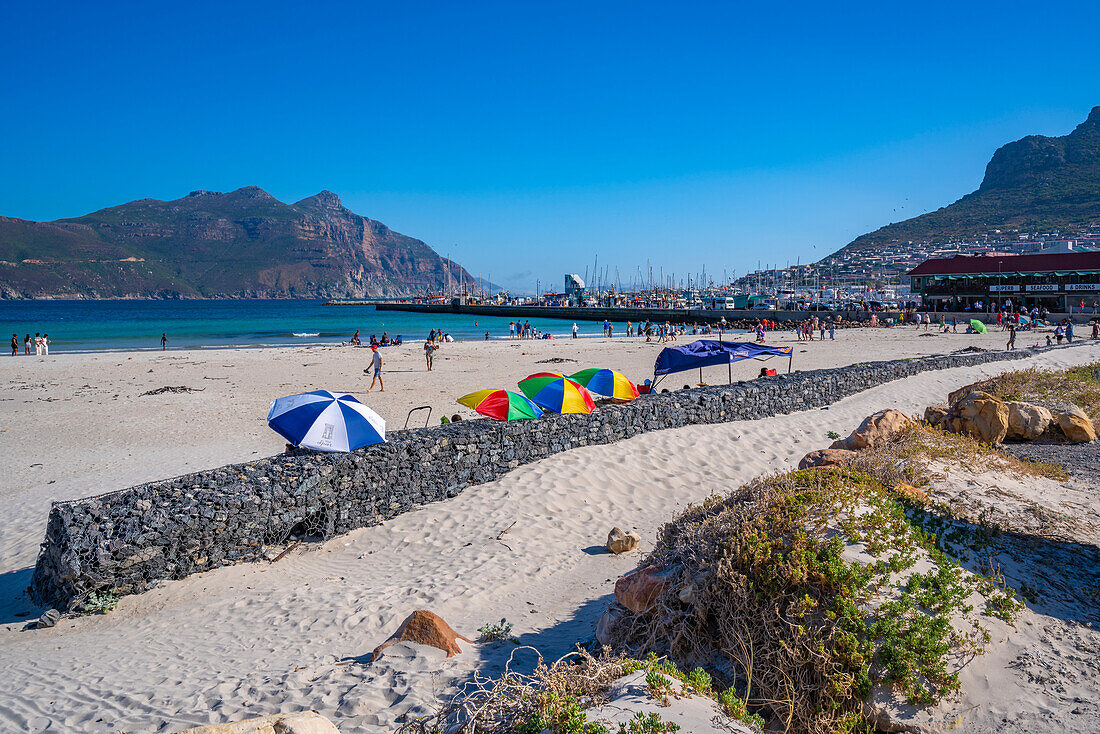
[1059, 282]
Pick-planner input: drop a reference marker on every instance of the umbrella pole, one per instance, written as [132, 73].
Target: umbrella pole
[790, 360]
[730, 366]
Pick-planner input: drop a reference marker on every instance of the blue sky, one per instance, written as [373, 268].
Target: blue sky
[524, 139]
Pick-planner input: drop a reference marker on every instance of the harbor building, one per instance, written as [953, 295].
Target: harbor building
[1059, 282]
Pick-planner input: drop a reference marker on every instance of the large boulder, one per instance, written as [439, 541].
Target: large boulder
[980, 415]
[875, 430]
[965, 390]
[302, 722]
[825, 457]
[936, 415]
[620, 541]
[1076, 424]
[424, 628]
[639, 589]
[1027, 422]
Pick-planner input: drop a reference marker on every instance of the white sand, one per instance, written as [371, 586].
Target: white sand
[262, 638]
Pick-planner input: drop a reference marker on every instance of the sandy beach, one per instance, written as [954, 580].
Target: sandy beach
[261, 638]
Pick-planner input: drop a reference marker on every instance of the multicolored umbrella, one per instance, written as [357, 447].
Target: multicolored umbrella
[558, 394]
[978, 326]
[326, 421]
[501, 405]
[608, 383]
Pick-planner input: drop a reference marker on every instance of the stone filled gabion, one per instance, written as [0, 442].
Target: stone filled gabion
[134, 538]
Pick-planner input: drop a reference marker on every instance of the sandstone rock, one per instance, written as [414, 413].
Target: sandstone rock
[936, 415]
[619, 541]
[424, 628]
[825, 457]
[980, 415]
[1026, 422]
[914, 493]
[639, 589]
[303, 722]
[1076, 424]
[962, 392]
[875, 430]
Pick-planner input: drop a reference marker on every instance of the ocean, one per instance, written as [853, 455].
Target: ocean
[92, 326]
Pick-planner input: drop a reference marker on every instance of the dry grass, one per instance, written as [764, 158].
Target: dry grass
[908, 456]
[553, 696]
[1077, 385]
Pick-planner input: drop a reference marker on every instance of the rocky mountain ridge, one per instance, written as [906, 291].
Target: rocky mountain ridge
[240, 244]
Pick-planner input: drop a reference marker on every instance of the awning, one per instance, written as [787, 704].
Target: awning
[708, 353]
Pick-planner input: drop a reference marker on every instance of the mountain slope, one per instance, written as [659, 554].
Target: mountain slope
[1036, 184]
[244, 243]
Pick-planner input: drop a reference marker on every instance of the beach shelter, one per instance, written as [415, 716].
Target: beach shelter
[978, 326]
[606, 383]
[501, 405]
[707, 353]
[557, 394]
[326, 421]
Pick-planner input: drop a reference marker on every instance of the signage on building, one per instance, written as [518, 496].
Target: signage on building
[1042, 287]
[1083, 286]
[1004, 288]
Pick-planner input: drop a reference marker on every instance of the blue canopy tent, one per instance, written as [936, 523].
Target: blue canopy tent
[707, 353]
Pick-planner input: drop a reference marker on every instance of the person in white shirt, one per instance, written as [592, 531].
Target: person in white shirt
[38, 345]
[376, 363]
[46, 345]
[574, 330]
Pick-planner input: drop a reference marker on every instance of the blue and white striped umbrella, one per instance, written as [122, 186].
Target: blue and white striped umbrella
[326, 421]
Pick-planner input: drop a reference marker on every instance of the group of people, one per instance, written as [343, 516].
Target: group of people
[805, 330]
[40, 344]
[524, 330]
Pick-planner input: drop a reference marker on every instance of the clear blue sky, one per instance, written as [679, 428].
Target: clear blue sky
[524, 138]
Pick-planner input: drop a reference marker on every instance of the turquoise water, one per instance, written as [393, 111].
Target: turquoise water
[77, 326]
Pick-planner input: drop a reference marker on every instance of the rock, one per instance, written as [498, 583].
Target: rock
[302, 722]
[914, 493]
[639, 589]
[619, 541]
[936, 415]
[1027, 422]
[875, 430]
[424, 628]
[980, 415]
[610, 618]
[48, 619]
[1076, 424]
[825, 457]
[962, 392]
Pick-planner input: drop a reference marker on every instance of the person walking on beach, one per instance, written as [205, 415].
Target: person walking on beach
[429, 351]
[376, 363]
[15, 341]
[511, 329]
[574, 329]
[832, 331]
[164, 341]
[1011, 336]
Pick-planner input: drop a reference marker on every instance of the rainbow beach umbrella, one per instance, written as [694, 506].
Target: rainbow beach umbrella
[501, 405]
[557, 394]
[608, 383]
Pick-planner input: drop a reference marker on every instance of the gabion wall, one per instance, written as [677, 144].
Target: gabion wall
[132, 539]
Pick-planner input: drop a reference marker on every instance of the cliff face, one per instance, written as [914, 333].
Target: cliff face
[241, 244]
[1035, 184]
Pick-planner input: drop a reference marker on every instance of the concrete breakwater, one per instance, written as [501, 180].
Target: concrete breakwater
[132, 539]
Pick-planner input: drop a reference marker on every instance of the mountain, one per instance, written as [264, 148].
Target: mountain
[241, 244]
[1036, 184]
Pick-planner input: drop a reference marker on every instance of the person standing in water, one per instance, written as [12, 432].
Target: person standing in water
[164, 341]
[376, 363]
[15, 342]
